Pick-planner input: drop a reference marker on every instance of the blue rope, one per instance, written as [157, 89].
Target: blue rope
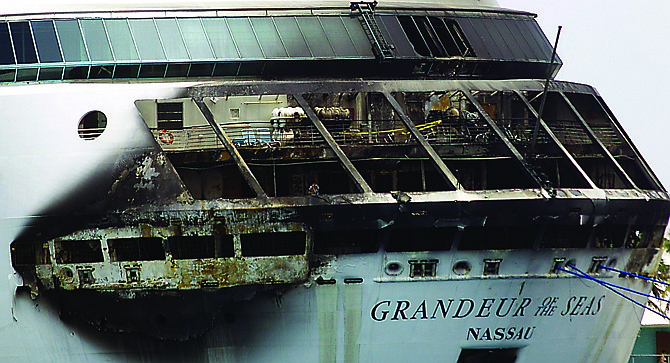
[604, 284]
[634, 275]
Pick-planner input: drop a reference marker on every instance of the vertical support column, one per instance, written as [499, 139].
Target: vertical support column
[234, 153]
[448, 176]
[515, 153]
[553, 137]
[361, 184]
[596, 140]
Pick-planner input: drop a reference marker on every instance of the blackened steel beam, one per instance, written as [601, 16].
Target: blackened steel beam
[515, 153]
[603, 149]
[442, 168]
[649, 174]
[232, 150]
[558, 143]
[360, 183]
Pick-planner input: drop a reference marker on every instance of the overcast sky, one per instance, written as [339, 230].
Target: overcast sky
[617, 46]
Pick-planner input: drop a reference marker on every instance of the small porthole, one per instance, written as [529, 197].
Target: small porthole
[462, 268]
[92, 125]
[394, 268]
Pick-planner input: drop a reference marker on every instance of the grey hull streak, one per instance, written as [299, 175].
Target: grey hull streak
[418, 167]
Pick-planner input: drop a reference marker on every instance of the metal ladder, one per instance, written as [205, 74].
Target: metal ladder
[382, 50]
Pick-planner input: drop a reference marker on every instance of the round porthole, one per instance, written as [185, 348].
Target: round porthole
[92, 125]
[394, 268]
[462, 268]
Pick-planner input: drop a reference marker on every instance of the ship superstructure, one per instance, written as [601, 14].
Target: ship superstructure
[325, 181]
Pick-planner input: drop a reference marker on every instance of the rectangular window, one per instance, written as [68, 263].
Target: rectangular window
[338, 36]
[192, 247]
[122, 40]
[80, 251]
[148, 42]
[23, 42]
[136, 249]
[171, 37]
[315, 36]
[196, 40]
[274, 244]
[292, 36]
[71, 41]
[220, 38]
[244, 38]
[96, 40]
[6, 52]
[170, 116]
[47, 44]
[268, 37]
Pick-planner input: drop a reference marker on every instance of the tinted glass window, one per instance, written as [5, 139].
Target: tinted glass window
[146, 37]
[315, 36]
[122, 40]
[196, 40]
[47, 44]
[245, 38]
[6, 52]
[361, 41]
[292, 37]
[220, 38]
[23, 42]
[267, 35]
[71, 41]
[171, 37]
[338, 36]
[96, 40]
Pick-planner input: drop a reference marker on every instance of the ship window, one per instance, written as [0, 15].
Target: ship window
[23, 42]
[338, 36]
[190, 247]
[608, 236]
[96, 40]
[122, 40]
[421, 239]
[358, 36]
[172, 41]
[195, 38]
[71, 41]
[508, 355]
[346, 242]
[30, 254]
[244, 38]
[92, 125]
[422, 268]
[267, 35]
[6, 52]
[414, 35]
[492, 267]
[136, 249]
[220, 38]
[83, 251]
[47, 44]
[147, 40]
[565, 236]
[498, 237]
[170, 115]
[315, 36]
[273, 244]
[292, 37]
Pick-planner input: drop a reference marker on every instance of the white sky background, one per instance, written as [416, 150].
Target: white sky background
[619, 47]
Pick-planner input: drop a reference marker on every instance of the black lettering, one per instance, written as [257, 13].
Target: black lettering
[486, 305]
[519, 334]
[373, 313]
[510, 332]
[587, 308]
[598, 306]
[486, 335]
[440, 304]
[474, 333]
[421, 309]
[567, 307]
[401, 310]
[499, 334]
[460, 307]
[580, 303]
[524, 303]
[502, 303]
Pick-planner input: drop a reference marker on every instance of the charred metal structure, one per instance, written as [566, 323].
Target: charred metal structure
[298, 143]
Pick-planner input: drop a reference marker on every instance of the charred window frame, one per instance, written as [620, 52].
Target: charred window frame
[273, 244]
[29, 254]
[85, 251]
[196, 247]
[434, 36]
[136, 249]
[170, 115]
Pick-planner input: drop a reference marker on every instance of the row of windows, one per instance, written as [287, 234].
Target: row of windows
[183, 39]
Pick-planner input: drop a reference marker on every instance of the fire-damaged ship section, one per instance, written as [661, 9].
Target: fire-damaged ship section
[270, 182]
